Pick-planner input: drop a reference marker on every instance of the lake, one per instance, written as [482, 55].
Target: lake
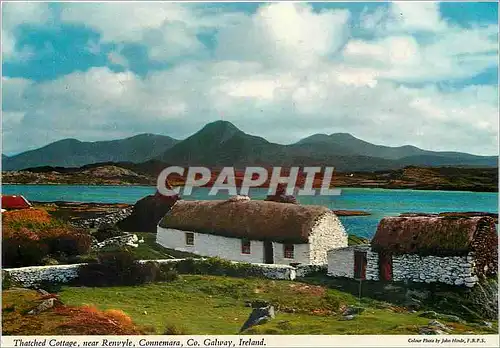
[379, 202]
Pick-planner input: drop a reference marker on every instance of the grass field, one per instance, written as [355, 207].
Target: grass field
[216, 305]
[150, 250]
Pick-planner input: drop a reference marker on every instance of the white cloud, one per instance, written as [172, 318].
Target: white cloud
[277, 73]
[15, 14]
[168, 30]
[284, 34]
[280, 105]
[399, 53]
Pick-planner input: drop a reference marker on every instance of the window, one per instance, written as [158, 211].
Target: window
[189, 238]
[245, 246]
[288, 251]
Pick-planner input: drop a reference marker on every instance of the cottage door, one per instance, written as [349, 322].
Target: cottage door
[268, 252]
[385, 264]
[359, 265]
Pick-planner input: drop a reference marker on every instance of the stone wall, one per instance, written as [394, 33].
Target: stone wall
[108, 219]
[372, 267]
[452, 270]
[32, 277]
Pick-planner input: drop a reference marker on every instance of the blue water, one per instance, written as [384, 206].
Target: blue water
[378, 202]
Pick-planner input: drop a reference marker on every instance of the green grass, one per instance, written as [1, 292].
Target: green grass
[216, 305]
[149, 250]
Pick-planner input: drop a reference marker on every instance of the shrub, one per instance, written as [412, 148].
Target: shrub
[22, 251]
[168, 273]
[88, 320]
[7, 281]
[30, 236]
[120, 268]
[217, 266]
[106, 232]
[175, 329]
[49, 261]
[69, 244]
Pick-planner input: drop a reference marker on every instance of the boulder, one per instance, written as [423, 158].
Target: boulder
[44, 305]
[348, 317]
[429, 314]
[258, 316]
[487, 324]
[147, 212]
[353, 310]
[128, 239]
[256, 303]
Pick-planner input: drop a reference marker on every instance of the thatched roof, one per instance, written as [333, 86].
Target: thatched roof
[255, 220]
[431, 235]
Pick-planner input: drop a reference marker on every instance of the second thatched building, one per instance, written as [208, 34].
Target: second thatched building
[453, 250]
[252, 231]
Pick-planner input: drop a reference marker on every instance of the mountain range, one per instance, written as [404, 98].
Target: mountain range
[221, 143]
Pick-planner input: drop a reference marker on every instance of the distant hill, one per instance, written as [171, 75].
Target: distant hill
[75, 153]
[127, 173]
[221, 143]
[406, 155]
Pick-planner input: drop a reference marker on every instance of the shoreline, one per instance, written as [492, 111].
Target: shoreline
[375, 187]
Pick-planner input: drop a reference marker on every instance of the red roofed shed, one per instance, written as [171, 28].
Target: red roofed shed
[14, 202]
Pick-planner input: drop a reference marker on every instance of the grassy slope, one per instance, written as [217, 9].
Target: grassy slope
[215, 305]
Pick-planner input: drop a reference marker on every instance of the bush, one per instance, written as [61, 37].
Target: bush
[30, 236]
[217, 266]
[7, 281]
[22, 251]
[106, 232]
[168, 273]
[175, 329]
[88, 320]
[69, 244]
[121, 268]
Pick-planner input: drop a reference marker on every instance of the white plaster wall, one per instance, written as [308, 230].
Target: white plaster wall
[300, 254]
[328, 233]
[341, 262]
[210, 245]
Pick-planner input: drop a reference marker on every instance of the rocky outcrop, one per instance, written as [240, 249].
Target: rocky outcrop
[128, 239]
[281, 196]
[108, 219]
[147, 212]
[258, 316]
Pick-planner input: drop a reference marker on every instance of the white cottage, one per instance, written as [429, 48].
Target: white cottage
[451, 250]
[252, 231]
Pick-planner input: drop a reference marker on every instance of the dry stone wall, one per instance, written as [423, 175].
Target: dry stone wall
[452, 270]
[32, 277]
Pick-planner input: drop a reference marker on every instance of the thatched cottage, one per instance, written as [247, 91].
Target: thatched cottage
[252, 231]
[451, 250]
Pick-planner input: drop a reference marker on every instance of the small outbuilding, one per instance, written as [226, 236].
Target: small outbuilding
[252, 231]
[452, 250]
[14, 202]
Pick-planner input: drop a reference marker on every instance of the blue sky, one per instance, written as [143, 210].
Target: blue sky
[391, 73]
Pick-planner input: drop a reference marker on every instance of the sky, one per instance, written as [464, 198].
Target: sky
[418, 73]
